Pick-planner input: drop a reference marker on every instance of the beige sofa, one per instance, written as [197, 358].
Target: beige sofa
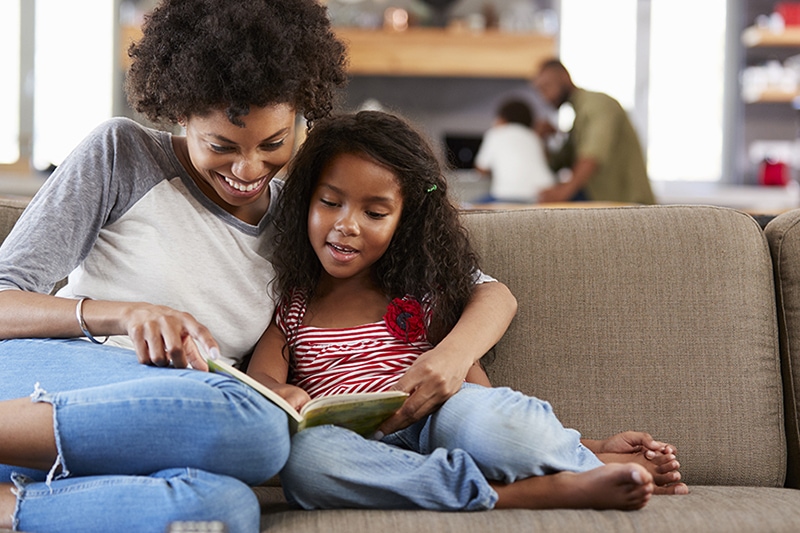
[662, 319]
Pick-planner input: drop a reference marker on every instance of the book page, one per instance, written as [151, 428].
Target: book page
[357, 397]
[362, 413]
[228, 370]
[359, 412]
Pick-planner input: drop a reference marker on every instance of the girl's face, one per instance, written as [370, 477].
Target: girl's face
[233, 165]
[354, 212]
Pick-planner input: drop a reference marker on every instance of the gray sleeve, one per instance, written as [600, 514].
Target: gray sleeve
[61, 224]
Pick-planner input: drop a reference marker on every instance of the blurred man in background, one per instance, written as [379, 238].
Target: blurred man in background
[602, 150]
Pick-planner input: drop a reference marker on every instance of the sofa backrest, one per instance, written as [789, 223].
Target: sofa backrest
[659, 319]
[10, 210]
[783, 235]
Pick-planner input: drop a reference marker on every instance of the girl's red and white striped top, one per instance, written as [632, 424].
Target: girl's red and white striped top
[365, 358]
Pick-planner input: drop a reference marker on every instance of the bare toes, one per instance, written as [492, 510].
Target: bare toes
[674, 489]
[667, 479]
[670, 466]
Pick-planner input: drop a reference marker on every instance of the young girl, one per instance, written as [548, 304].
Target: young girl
[375, 269]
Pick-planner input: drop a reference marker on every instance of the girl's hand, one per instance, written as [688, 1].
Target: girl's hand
[632, 442]
[161, 335]
[431, 380]
[296, 396]
[438, 374]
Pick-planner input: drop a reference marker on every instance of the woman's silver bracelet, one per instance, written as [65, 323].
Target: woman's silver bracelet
[82, 323]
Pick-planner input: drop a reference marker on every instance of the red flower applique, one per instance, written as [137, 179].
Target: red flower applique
[405, 319]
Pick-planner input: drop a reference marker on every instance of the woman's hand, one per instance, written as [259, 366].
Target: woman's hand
[161, 335]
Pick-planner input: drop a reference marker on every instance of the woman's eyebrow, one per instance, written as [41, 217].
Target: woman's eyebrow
[222, 138]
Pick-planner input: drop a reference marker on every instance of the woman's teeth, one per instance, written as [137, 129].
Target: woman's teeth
[241, 186]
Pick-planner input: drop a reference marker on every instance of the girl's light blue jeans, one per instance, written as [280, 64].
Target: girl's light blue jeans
[443, 462]
[138, 446]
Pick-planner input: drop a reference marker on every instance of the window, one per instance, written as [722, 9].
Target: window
[598, 46]
[72, 85]
[687, 82]
[73, 67]
[9, 89]
[663, 60]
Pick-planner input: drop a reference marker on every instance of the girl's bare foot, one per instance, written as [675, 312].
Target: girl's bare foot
[612, 486]
[662, 466]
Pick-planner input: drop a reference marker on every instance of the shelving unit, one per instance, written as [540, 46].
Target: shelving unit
[754, 37]
[774, 96]
[760, 38]
[430, 52]
[769, 122]
[446, 53]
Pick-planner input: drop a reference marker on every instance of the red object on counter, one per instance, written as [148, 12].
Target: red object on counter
[773, 173]
[790, 11]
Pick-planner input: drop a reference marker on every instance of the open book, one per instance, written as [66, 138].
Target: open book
[361, 412]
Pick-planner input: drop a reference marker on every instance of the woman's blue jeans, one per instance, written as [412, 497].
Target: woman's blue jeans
[443, 462]
[139, 446]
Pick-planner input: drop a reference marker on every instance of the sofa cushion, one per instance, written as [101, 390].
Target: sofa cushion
[660, 319]
[783, 234]
[706, 509]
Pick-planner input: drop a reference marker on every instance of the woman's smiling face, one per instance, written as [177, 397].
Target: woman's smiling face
[233, 165]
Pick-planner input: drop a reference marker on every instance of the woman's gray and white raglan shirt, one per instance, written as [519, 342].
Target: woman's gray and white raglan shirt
[124, 220]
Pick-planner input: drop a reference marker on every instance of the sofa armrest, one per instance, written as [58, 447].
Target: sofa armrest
[783, 235]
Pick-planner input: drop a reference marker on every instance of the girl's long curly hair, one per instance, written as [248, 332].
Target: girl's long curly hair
[199, 55]
[429, 256]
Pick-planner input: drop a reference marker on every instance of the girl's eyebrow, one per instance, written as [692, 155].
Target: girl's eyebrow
[370, 199]
[224, 139]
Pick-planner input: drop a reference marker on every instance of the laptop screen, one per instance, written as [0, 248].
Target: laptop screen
[461, 149]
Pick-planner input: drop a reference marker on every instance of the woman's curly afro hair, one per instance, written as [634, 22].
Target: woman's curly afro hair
[429, 255]
[199, 55]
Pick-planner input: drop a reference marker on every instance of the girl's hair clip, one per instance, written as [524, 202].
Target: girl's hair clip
[431, 188]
